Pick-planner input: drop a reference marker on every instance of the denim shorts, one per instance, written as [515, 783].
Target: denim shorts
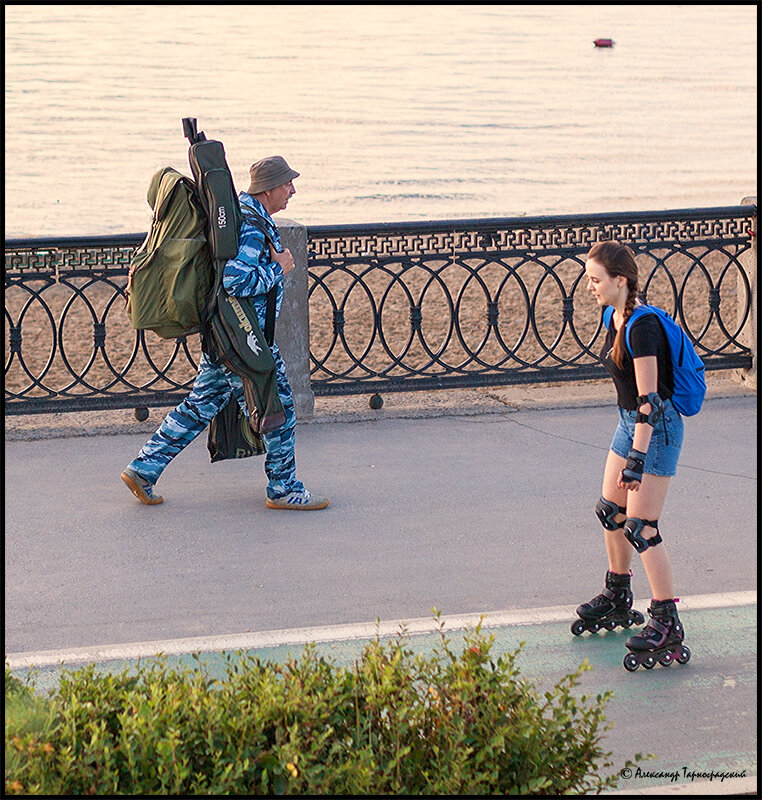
[666, 440]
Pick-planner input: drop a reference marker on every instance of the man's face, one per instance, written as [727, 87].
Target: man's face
[279, 196]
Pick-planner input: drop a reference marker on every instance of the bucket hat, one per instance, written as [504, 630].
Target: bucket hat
[269, 173]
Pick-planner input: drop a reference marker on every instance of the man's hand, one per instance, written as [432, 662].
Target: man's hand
[285, 259]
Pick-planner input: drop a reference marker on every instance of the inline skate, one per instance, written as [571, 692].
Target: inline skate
[611, 608]
[661, 640]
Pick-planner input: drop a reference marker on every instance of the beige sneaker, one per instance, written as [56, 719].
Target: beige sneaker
[301, 501]
[141, 488]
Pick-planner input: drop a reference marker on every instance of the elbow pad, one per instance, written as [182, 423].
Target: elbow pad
[657, 408]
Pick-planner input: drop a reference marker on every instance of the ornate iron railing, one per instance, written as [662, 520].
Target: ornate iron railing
[499, 301]
[392, 307]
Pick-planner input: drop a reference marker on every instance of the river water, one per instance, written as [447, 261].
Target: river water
[389, 112]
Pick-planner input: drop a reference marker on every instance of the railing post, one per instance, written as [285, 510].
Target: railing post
[748, 335]
[292, 331]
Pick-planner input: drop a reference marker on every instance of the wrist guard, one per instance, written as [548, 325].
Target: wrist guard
[657, 408]
[633, 470]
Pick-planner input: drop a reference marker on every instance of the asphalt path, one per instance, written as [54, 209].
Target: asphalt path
[465, 514]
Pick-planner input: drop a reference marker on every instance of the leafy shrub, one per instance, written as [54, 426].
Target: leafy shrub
[395, 722]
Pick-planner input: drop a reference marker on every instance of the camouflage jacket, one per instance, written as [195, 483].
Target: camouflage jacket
[252, 273]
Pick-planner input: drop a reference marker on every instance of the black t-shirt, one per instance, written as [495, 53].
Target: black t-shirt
[647, 338]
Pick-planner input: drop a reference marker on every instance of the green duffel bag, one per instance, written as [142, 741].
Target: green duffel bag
[171, 274]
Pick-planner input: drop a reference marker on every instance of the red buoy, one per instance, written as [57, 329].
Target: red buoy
[604, 42]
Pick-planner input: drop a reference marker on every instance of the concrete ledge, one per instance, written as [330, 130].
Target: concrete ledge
[355, 408]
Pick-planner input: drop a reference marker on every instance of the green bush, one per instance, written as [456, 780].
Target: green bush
[395, 722]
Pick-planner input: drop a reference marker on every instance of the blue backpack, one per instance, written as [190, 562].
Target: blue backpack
[687, 367]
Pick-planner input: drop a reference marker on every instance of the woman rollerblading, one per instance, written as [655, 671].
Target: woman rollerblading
[642, 458]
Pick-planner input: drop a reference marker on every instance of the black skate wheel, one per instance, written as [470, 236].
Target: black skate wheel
[610, 625]
[685, 656]
[578, 627]
[666, 659]
[638, 618]
[595, 627]
[630, 662]
[650, 662]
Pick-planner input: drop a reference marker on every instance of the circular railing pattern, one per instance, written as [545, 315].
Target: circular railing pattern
[392, 306]
[512, 303]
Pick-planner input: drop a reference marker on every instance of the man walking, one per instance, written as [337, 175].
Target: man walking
[257, 268]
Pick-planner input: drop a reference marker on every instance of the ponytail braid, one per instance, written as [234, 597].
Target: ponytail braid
[617, 351]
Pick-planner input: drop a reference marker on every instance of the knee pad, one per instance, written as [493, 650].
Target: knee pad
[605, 510]
[633, 530]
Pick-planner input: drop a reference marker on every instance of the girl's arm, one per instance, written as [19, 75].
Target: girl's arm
[647, 381]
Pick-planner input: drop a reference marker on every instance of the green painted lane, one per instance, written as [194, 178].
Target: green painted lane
[696, 719]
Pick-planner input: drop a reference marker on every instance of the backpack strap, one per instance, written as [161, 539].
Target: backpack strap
[269, 331]
[637, 312]
[256, 220]
[272, 296]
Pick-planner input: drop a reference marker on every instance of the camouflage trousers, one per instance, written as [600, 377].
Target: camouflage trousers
[212, 389]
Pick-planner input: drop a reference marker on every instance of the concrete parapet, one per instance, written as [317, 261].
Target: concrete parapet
[748, 334]
[292, 332]
[354, 408]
